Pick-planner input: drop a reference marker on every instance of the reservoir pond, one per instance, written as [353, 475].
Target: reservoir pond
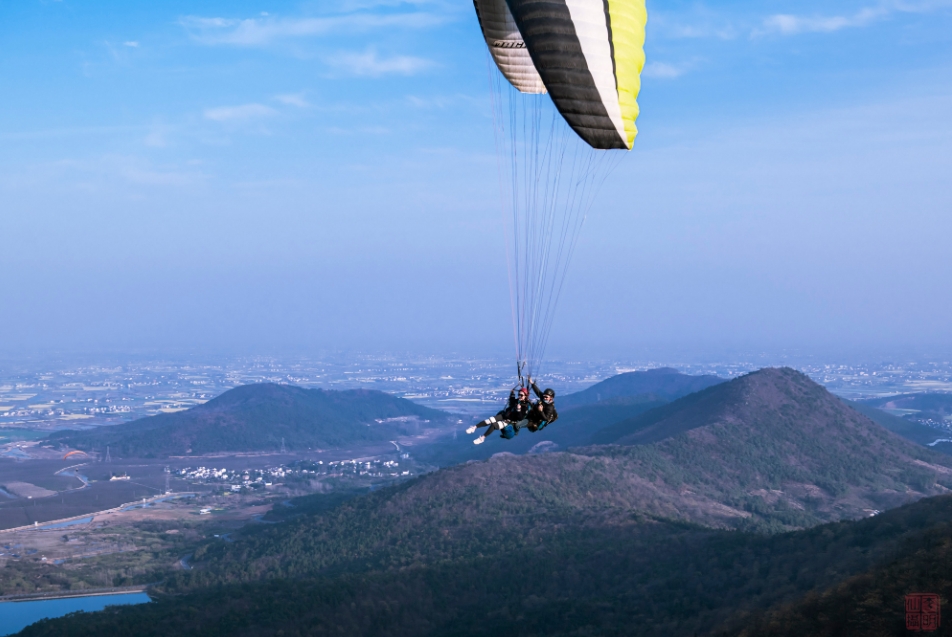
[15, 616]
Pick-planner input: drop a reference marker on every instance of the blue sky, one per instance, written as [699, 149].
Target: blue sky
[258, 177]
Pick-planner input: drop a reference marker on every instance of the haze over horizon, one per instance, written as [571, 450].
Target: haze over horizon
[240, 177]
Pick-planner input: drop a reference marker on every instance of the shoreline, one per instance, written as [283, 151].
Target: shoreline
[89, 592]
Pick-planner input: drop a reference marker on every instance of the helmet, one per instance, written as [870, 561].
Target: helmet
[549, 392]
[523, 391]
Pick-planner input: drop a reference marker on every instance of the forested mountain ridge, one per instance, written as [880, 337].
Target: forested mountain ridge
[256, 418]
[846, 578]
[778, 434]
[872, 603]
[759, 400]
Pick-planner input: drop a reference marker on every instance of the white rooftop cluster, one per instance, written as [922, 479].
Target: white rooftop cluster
[268, 476]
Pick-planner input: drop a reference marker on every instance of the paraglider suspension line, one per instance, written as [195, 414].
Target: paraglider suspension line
[548, 181]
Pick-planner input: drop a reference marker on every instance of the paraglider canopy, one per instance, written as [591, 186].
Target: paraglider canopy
[507, 46]
[588, 55]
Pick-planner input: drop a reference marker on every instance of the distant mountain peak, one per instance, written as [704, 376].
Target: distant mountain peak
[663, 382]
[257, 417]
[752, 398]
[776, 430]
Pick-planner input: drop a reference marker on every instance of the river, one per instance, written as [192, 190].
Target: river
[15, 616]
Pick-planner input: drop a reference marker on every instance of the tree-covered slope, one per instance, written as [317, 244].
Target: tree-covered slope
[644, 578]
[870, 604]
[664, 382]
[777, 434]
[256, 418]
[760, 401]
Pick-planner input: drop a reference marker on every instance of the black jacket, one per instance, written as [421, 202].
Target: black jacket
[516, 410]
[547, 413]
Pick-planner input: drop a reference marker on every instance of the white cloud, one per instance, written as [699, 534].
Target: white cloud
[926, 6]
[292, 100]
[240, 113]
[369, 64]
[663, 70]
[787, 24]
[120, 53]
[267, 30]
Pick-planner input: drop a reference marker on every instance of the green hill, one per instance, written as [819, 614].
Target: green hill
[663, 383]
[257, 417]
[767, 403]
[776, 427]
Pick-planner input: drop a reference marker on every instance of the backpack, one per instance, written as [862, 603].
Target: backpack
[508, 432]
